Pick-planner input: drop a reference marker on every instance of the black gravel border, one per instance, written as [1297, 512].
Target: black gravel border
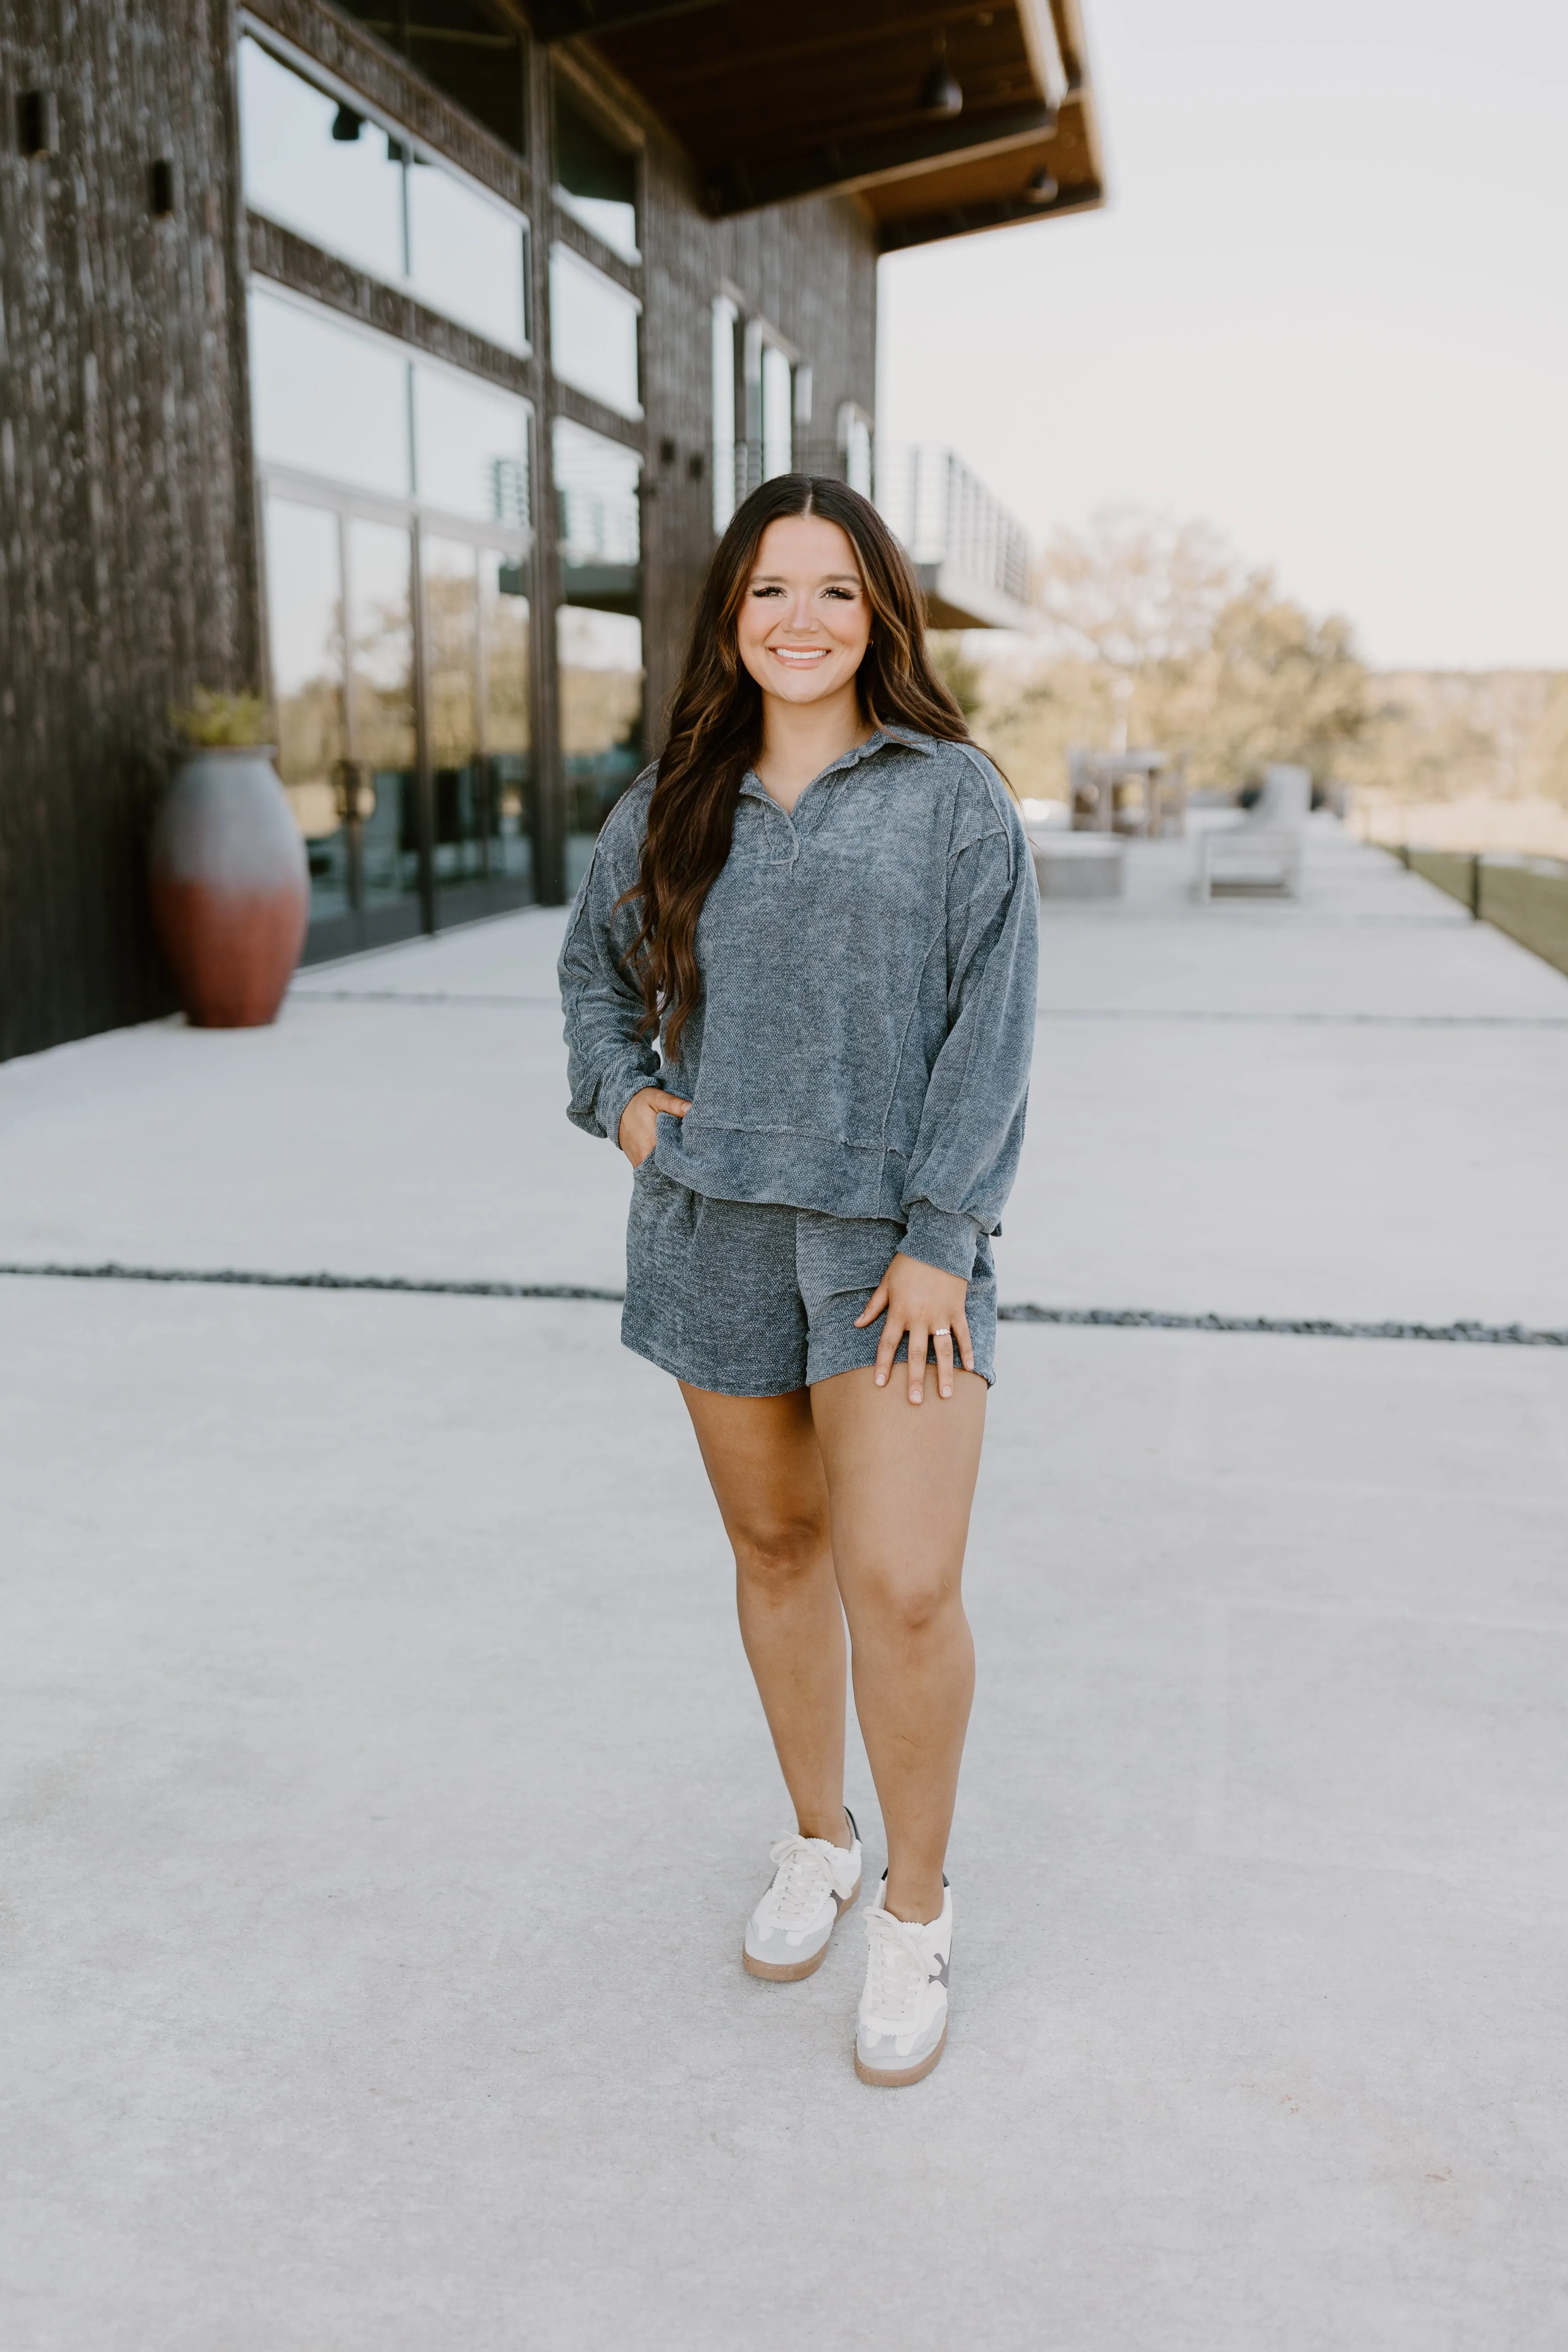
[1296, 1326]
[1130, 1016]
[245, 1278]
[1115, 1318]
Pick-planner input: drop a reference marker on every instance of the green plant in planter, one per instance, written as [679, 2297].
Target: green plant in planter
[215, 719]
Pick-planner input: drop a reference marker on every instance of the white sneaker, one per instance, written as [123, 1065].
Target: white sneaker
[787, 1934]
[901, 2030]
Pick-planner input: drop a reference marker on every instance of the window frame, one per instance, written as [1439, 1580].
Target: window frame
[758, 338]
[620, 133]
[384, 505]
[422, 518]
[332, 85]
[560, 251]
[851, 418]
[726, 322]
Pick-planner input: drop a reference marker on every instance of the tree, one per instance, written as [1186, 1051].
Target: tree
[1272, 683]
[1136, 588]
[958, 672]
[1158, 636]
[1493, 735]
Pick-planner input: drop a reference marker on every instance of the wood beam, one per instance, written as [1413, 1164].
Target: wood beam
[1037, 27]
[743, 185]
[826, 46]
[564, 20]
[970, 220]
[1069, 41]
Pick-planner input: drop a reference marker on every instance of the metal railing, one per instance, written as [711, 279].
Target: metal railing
[1525, 897]
[944, 515]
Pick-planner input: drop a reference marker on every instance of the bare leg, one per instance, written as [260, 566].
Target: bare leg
[764, 1466]
[901, 1481]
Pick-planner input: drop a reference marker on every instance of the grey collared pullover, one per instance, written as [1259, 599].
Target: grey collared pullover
[862, 1041]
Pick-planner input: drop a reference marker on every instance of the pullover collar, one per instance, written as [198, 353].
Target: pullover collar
[880, 739]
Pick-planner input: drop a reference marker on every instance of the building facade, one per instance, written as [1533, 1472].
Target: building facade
[405, 361]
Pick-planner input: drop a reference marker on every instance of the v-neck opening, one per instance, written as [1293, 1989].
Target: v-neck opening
[872, 742]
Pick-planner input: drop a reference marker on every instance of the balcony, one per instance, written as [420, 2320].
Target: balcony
[972, 556]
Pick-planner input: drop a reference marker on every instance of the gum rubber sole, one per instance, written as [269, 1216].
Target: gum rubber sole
[792, 1971]
[898, 2078]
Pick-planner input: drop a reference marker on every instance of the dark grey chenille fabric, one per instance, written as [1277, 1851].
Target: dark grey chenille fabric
[747, 1298]
[863, 1040]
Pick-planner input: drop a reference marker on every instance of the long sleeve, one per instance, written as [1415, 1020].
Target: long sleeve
[607, 1061]
[972, 1130]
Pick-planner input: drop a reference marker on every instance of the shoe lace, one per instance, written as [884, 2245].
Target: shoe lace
[803, 1872]
[898, 1975]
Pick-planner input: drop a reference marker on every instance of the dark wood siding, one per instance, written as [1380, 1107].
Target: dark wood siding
[127, 563]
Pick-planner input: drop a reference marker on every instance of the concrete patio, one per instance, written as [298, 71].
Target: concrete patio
[385, 1788]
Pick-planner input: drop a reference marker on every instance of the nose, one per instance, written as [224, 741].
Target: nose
[800, 617]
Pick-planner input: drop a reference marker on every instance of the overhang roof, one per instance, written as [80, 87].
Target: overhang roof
[827, 99]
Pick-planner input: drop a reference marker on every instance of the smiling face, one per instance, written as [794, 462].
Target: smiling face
[805, 620]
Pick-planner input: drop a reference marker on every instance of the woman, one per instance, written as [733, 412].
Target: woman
[820, 906]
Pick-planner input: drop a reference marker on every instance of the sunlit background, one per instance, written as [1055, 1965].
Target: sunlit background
[1323, 310]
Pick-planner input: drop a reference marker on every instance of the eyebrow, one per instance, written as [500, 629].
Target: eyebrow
[827, 580]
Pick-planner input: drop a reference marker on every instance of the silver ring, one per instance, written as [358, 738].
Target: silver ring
[943, 1334]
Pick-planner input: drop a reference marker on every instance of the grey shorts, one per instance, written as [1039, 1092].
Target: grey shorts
[750, 1299]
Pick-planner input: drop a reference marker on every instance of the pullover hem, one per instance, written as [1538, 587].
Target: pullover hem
[792, 1172]
[819, 1173]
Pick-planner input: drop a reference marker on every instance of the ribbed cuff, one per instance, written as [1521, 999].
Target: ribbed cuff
[943, 1237]
[615, 1092]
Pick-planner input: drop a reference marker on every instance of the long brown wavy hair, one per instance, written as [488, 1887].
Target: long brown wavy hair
[716, 724]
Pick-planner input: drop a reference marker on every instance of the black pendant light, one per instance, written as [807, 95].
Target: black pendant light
[940, 94]
[347, 125]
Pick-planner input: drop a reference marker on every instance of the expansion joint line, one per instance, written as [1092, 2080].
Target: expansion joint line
[1118, 1319]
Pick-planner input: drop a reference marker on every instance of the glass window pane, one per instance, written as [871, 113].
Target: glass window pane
[598, 515]
[724, 488]
[460, 781]
[481, 67]
[776, 413]
[857, 456]
[600, 655]
[593, 332]
[305, 636]
[465, 255]
[596, 179]
[452, 648]
[381, 641]
[319, 167]
[503, 595]
[327, 400]
[508, 733]
[471, 447]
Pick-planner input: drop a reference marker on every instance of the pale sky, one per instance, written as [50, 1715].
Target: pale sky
[1326, 308]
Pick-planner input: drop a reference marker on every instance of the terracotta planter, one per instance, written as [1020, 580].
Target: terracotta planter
[231, 892]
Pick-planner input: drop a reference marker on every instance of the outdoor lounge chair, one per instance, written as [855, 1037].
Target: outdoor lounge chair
[1264, 851]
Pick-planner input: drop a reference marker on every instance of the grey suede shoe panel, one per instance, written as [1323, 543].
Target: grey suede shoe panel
[882, 2048]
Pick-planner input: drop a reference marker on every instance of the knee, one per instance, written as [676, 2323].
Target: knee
[909, 1604]
[773, 1555]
